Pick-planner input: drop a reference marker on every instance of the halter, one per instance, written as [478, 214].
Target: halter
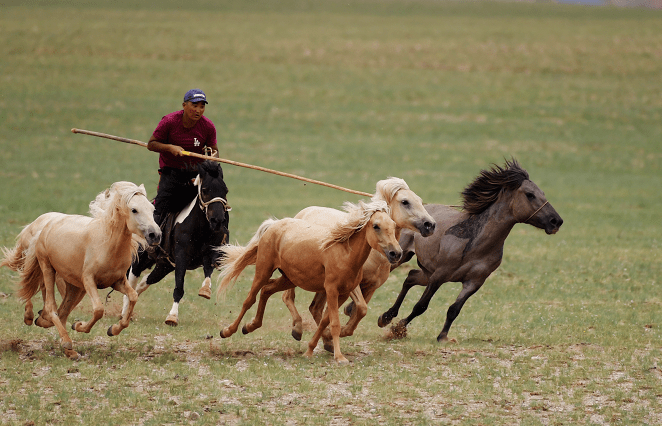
[536, 212]
[204, 205]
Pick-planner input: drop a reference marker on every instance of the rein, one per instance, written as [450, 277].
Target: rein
[536, 212]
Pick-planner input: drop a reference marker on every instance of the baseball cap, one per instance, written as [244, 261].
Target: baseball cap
[195, 95]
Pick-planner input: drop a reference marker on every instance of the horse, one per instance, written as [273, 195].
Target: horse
[406, 210]
[468, 245]
[190, 240]
[313, 257]
[97, 253]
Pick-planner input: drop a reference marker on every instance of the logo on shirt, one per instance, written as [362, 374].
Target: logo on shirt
[196, 142]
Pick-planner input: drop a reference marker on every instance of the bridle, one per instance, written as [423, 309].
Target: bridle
[204, 205]
[536, 212]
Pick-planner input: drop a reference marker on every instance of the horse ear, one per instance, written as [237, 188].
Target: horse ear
[197, 181]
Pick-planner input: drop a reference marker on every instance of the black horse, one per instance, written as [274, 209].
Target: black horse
[191, 239]
[467, 245]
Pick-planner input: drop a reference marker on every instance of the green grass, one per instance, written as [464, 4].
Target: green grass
[567, 331]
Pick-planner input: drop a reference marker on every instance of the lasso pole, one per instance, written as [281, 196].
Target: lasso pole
[223, 160]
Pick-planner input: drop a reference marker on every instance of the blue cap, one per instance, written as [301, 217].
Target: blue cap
[195, 95]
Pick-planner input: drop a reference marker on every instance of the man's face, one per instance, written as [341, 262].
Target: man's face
[194, 110]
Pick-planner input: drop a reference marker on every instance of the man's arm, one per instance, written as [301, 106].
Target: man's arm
[156, 146]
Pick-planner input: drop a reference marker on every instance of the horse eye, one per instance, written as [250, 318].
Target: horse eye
[405, 202]
[530, 196]
[134, 211]
[375, 227]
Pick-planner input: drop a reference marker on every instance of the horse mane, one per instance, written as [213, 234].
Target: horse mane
[358, 216]
[209, 167]
[387, 188]
[485, 189]
[109, 206]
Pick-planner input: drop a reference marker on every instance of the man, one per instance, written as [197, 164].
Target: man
[184, 130]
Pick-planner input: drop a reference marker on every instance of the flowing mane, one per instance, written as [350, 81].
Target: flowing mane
[485, 189]
[387, 188]
[109, 204]
[359, 215]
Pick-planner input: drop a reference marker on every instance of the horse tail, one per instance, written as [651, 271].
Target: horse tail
[235, 258]
[13, 258]
[31, 275]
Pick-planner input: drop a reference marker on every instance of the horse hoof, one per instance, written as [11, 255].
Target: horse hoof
[71, 354]
[110, 331]
[205, 292]
[244, 330]
[349, 309]
[383, 321]
[28, 321]
[171, 321]
[67, 346]
[328, 346]
[223, 334]
[342, 360]
[297, 335]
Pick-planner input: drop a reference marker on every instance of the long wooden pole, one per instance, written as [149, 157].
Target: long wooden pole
[223, 160]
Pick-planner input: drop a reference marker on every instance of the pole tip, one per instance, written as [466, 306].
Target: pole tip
[73, 130]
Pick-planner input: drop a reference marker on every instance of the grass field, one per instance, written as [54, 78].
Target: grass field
[567, 331]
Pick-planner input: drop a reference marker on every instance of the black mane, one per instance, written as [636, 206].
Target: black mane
[211, 168]
[485, 189]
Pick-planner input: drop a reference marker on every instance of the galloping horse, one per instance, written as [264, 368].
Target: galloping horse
[97, 253]
[406, 210]
[313, 257]
[468, 245]
[191, 241]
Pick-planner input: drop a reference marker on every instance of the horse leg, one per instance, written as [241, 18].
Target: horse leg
[468, 289]
[414, 278]
[317, 305]
[180, 272]
[261, 278]
[297, 321]
[400, 329]
[97, 306]
[28, 314]
[50, 308]
[124, 288]
[205, 290]
[72, 298]
[274, 286]
[333, 319]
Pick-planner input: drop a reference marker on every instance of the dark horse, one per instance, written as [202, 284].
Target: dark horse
[191, 239]
[467, 245]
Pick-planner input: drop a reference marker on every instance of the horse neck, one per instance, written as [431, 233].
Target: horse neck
[358, 246]
[496, 222]
[119, 238]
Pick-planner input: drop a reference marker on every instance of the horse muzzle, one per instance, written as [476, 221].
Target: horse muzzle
[393, 255]
[426, 228]
[153, 236]
[553, 225]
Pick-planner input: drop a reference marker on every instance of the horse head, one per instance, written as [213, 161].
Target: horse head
[381, 236]
[532, 207]
[212, 194]
[406, 207]
[140, 218]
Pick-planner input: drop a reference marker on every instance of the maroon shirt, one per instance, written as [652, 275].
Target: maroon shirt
[171, 130]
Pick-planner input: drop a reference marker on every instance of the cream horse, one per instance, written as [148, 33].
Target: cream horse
[313, 257]
[97, 254]
[407, 211]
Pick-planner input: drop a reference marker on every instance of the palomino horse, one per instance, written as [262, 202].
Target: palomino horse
[468, 245]
[406, 210]
[191, 242]
[313, 257]
[97, 254]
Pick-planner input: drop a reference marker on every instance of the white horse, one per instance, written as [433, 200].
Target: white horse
[97, 254]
